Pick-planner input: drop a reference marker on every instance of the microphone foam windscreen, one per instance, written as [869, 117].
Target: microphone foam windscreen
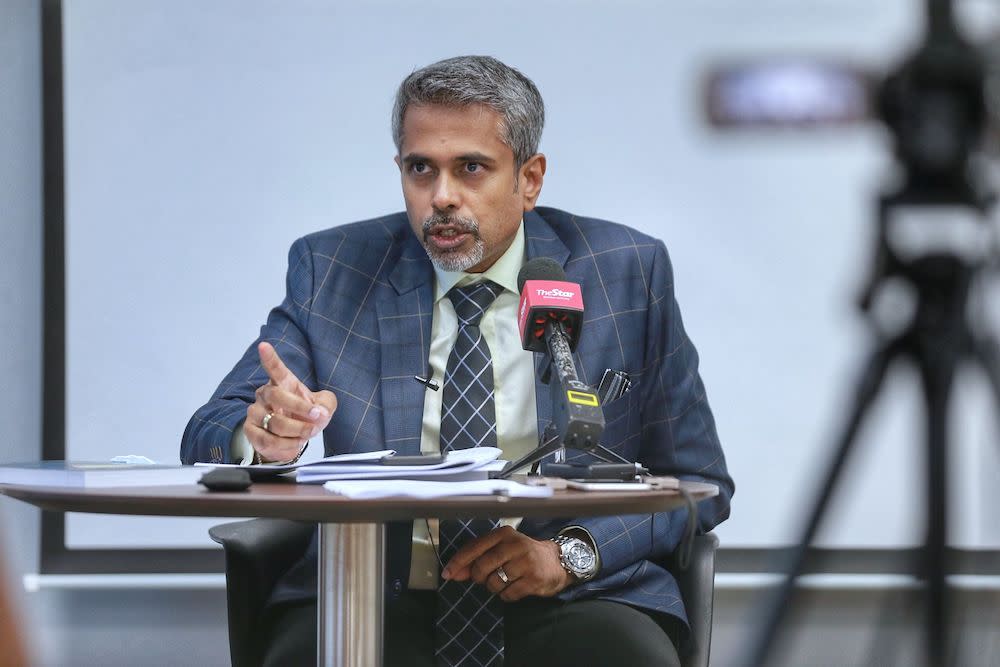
[540, 268]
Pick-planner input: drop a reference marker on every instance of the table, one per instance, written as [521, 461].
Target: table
[351, 534]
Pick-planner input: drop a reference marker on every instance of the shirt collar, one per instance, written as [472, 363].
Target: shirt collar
[503, 272]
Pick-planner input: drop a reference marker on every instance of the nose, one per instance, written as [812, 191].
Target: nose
[446, 194]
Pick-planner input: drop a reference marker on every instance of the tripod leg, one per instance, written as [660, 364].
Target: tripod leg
[548, 443]
[867, 388]
[938, 383]
[933, 566]
[938, 376]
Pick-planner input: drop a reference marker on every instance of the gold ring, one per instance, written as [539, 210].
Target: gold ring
[266, 421]
[503, 575]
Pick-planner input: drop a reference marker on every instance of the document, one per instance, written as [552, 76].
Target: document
[395, 488]
[464, 464]
[265, 470]
[457, 462]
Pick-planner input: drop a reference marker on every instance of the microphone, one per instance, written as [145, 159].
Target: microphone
[547, 296]
[550, 316]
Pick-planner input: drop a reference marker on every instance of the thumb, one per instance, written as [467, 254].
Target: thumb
[324, 405]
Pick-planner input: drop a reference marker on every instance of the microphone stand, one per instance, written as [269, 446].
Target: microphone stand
[551, 442]
[578, 419]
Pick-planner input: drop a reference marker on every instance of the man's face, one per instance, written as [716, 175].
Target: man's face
[463, 196]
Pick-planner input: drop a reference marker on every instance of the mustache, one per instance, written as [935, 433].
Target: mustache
[466, 225]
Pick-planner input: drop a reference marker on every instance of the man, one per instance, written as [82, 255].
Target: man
[372, 304]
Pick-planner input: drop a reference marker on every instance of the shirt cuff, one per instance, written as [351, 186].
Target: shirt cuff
[240, 448]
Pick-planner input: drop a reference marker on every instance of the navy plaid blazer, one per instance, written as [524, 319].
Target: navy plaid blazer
[357, 320]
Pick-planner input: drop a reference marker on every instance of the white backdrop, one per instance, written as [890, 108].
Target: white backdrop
[203, 138]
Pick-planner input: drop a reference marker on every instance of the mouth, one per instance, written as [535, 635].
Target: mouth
[448, 233]
[446, 237]
[452, 242]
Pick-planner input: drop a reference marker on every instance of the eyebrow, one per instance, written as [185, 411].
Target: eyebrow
[474, 156]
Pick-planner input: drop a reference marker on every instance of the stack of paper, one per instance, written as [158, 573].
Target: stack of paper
[458, 465]
[264, 471]
[394, 488]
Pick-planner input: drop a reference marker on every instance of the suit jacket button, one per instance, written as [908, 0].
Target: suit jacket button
[397, 587]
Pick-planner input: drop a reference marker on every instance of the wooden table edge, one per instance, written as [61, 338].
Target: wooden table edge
[315, 504]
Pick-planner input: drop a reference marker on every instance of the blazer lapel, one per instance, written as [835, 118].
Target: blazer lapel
[404, 322]
[541, 241]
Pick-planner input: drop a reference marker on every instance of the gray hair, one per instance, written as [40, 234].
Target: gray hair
[469, 80]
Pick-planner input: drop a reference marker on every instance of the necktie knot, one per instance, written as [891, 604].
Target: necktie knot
[471, 301]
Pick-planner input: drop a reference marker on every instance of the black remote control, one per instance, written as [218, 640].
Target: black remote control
[226, 479]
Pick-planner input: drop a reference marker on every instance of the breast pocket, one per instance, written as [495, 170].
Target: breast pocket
[622, 425]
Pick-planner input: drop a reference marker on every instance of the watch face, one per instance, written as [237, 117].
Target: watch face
[579, 557]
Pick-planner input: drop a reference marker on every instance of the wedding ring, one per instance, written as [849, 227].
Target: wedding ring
[503, 575]
[267, 420]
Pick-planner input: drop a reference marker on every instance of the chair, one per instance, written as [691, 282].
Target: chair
[259, 550]
[257, 553]
[697, 584]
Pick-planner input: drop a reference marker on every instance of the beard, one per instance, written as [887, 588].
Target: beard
[453, 259]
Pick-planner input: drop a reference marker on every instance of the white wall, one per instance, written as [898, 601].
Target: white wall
[202, 138]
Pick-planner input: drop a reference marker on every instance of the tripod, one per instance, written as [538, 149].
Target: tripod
[935, 107]
[936, 341]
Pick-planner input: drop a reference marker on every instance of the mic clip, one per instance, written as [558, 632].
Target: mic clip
[428, 382]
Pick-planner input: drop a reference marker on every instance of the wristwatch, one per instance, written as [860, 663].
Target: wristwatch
[577, 557]
[259, 460]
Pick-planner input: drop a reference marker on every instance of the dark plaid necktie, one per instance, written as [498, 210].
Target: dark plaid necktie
[469, 628]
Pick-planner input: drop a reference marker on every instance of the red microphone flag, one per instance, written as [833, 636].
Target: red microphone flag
[544, 301]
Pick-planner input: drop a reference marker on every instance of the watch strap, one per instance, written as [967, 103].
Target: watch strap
[259, 460]
[563, 541]
[584, 534]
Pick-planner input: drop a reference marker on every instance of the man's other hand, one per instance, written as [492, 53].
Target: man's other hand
[297, 414]
[532, 566]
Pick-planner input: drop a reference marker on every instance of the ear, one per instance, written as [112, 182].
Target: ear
[398, 162]
[530, 178]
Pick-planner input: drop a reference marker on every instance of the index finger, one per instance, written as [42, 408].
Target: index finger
[470, 552]
[275, 367]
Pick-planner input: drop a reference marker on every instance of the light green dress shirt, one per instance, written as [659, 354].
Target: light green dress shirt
[513, 383]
